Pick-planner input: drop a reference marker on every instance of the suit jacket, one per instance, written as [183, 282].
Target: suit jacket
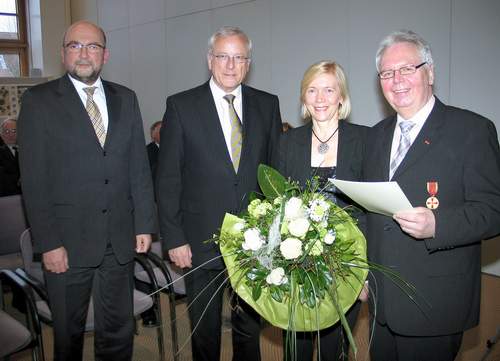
[459, 150]
[79, 195]
[295, 157]
[153, 151]
[196, 181]
[9, 172]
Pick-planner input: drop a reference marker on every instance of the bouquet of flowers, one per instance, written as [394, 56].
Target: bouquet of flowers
[296, 257]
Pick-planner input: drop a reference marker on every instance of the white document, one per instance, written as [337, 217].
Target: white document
[384, 198]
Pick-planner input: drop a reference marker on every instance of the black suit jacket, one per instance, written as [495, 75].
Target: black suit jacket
[153, 151]
[9, 172]
[295, 157]
[459, 150]
[79, 195]
[196, 181]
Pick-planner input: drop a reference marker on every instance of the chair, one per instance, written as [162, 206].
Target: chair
[33, 275]
[165, 273]
[12, 223]
[15, 336]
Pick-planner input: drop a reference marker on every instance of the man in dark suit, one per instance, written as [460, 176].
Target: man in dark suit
[213, 138]
[447, 162]
[9, 162]
[154, 147]
[89, 196]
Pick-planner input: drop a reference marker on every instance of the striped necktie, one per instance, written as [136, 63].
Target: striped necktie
[236, 132]
[404, 145]
[95, 115]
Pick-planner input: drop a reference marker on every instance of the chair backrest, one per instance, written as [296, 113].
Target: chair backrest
[12, 223]
[33, 268]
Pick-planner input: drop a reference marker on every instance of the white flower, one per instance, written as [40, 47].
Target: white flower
[277, 277]
[293, 208]
[258, 208]
[253, 239]
[329, 237]
[238, 227]
[291, 248]
[318, 210]
[298, 227]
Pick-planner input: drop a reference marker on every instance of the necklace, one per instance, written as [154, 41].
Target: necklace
[323, 146]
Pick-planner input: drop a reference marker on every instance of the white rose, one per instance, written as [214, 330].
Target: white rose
[298, 227]
[277, 277]
[293, 208]
[329, 237]
[253, 240]
[291, 248]
[238, 227]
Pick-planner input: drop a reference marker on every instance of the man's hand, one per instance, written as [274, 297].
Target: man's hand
[365, 293]
[56, 260]
[181, 256]
[418, 222]
[143, 242]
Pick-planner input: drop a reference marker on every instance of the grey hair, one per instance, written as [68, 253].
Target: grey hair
[226, 31]
[405, 36]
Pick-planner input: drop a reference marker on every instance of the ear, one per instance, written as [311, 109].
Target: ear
[62, 54]
[209, 61]
[430, 73]
[105, 56]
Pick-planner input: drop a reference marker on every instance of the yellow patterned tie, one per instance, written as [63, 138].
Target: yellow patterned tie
[236, 132]
[95, 115]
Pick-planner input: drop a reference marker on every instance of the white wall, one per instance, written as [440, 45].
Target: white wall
[158, 47]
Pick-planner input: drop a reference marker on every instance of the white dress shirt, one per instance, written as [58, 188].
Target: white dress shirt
[419, 119]
[223, 110]
[99, 97]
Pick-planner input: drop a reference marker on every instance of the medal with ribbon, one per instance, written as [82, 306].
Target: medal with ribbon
[432, 202]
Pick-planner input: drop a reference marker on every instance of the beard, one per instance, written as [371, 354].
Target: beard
[88, 74]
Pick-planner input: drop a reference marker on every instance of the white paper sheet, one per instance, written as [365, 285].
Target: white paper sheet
[384, 198]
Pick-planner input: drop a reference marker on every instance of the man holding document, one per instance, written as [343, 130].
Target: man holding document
[447, 162]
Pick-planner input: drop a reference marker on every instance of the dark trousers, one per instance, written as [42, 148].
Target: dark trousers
[111, 286]
[205, 300]
[389, 346]
[333, 342]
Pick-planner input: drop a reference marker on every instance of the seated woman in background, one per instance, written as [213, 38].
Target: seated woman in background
[328, 148]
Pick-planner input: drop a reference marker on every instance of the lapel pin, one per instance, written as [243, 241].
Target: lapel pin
[427, 142]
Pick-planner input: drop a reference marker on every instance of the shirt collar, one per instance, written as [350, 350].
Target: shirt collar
[420, 117]
[80, 85]
[219, 93]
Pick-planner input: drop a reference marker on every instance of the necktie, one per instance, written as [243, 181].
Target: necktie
[236, 132]
[16, 153]
[404, 145]
[95, 115]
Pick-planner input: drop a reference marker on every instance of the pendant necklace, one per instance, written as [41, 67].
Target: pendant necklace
[323, 146]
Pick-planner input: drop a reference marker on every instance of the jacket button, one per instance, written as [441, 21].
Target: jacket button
[104, 211]
[387, 227]
[103, 153]
[106, 181]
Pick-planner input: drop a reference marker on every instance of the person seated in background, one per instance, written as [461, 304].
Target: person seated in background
[154, 147]
[9, 161]
[286, 126]
[327, 147]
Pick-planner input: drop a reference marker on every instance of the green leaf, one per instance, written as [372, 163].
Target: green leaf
[257, 291]
[271, 182]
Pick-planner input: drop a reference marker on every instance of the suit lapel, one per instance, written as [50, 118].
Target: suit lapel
[345, 143]
[250, 122]
[383, 149]
[426, 138]
[209, 120]
[113, 103]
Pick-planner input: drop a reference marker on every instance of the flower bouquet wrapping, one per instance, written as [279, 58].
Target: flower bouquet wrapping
[296, 257]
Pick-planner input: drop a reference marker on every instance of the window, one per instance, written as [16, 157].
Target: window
[13, 43]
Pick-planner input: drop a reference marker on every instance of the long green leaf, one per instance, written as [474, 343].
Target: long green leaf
[271, 182]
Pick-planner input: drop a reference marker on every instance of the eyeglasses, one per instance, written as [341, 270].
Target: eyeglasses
[404, 70]
[76, 47]
[9, 131]
[223, 58]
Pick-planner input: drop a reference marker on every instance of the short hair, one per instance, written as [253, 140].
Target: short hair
[226, 31]
[103, 34]
[405, 36]
[7, 120]
[154, 125]
[326, 67]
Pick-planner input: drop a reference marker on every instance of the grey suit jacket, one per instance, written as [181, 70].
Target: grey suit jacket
[459, 150]
[79, 195]
[196, 181]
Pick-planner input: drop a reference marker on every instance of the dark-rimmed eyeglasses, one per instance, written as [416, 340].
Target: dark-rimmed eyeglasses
[76, 47]
[404, 70]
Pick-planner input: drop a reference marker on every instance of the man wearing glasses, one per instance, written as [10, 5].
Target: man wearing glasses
[213, 138]
[88, 194]
[447, 162]
[9, 161]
